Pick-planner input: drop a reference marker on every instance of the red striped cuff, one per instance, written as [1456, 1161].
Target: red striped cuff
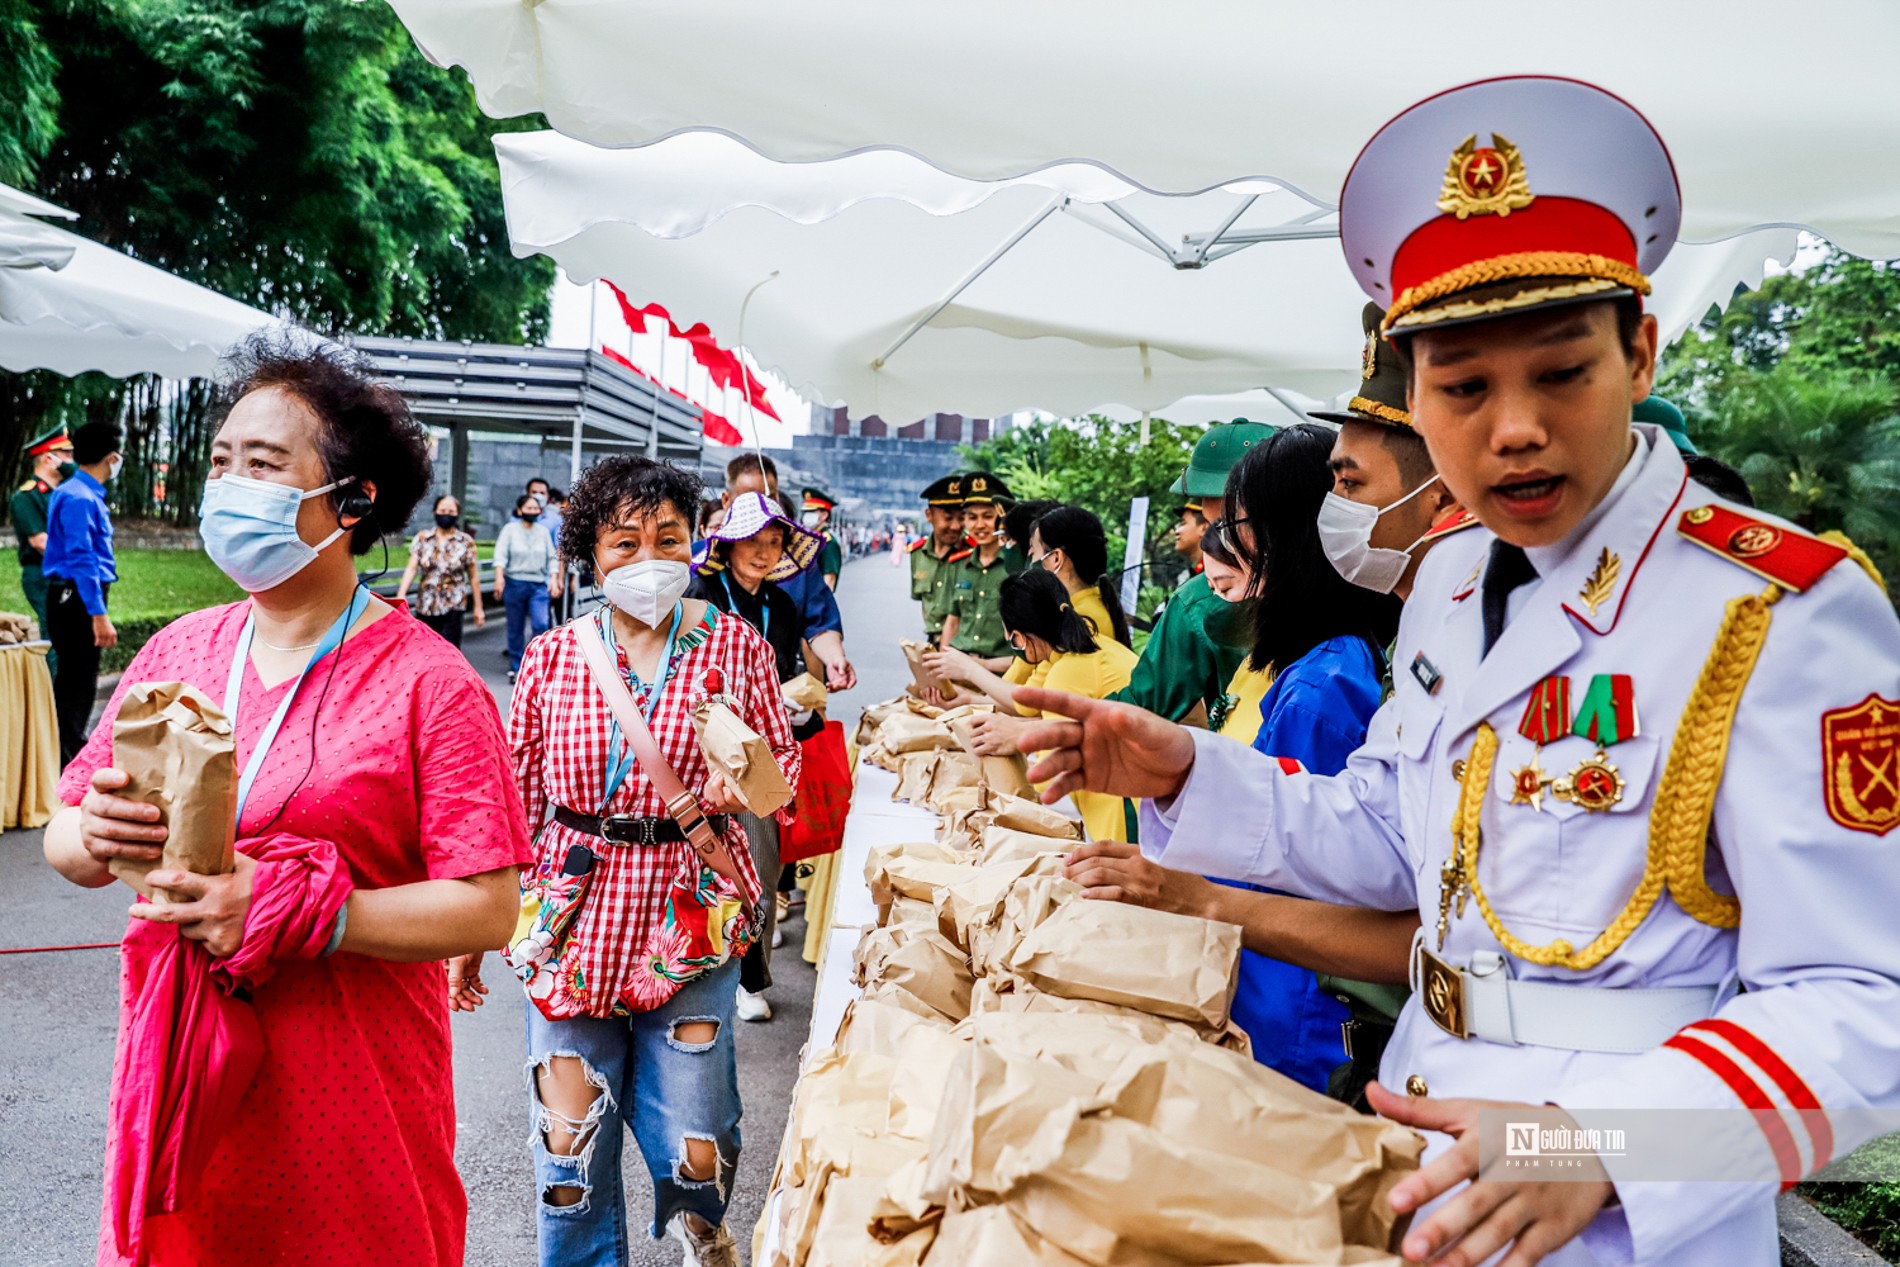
[1813, 1116]
[1767, 1113]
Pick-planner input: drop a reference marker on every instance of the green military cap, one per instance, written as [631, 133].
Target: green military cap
[980, 488]
[946, 491]
[1663, 413]
[818, 499]
[1381, 395]
[1217, 453]
[54, 439]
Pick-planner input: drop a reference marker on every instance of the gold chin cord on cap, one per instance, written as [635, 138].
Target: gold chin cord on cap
[1678, 817]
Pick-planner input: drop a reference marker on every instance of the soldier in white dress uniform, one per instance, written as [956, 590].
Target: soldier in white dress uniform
[1643, 759]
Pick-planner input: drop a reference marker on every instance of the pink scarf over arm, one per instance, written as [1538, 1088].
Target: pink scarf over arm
[189, 1041]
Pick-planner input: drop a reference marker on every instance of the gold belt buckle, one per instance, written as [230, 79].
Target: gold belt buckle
[1442, 991]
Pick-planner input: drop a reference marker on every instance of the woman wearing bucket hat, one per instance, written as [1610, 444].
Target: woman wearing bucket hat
[756, 545]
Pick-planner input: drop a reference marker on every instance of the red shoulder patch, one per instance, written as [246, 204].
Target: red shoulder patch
[1860, 765]
[1457, 521]
[1788, 557]
[919, 544]
[960, 555]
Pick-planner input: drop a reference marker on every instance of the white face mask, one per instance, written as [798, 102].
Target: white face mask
[249, 528]
[113, 467]
[647, 590]
[1345, 534]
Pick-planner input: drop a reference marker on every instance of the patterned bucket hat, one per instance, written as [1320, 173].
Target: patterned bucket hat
[750, 514]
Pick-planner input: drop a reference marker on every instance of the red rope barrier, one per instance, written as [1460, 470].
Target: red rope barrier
[40, 950]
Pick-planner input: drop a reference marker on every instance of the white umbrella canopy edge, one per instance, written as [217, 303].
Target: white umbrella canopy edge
[1069, 320]
[1772, 119]
[90, 308]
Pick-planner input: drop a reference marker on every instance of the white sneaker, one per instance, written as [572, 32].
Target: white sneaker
[778, 937]
[752, 1006]
[715, 1249]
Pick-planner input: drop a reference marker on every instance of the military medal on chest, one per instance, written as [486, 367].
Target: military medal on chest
[1606, 717]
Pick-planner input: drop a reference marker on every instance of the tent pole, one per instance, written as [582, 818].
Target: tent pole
[1062, 201]
[1287, 404]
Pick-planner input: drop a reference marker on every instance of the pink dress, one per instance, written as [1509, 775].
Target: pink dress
[342, 1151]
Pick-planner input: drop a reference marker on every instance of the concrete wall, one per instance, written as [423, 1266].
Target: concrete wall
[886, 472]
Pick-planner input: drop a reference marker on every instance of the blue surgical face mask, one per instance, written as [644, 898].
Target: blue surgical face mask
[249, 528]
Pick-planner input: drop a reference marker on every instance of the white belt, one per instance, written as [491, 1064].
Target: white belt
[1482, 1001]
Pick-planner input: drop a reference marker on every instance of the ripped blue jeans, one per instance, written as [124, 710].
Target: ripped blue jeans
[669, 1091]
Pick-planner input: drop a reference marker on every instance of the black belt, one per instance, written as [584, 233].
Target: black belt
[628, 829]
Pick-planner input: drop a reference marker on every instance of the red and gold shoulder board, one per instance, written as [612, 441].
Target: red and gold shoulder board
[1457, 521]
[1788, 557]
[960, 555]
[919, 544]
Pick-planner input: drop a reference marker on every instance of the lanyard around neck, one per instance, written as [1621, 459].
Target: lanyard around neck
[234, 686]
[619, 755]
[765, 608]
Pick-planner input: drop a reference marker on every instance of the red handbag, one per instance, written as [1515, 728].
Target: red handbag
[823, 798]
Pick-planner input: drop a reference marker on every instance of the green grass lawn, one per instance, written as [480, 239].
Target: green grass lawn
[156, 587]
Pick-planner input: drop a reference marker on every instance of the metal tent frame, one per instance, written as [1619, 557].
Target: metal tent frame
[564, 395]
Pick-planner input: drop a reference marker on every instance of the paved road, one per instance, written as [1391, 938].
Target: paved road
[58, 1015]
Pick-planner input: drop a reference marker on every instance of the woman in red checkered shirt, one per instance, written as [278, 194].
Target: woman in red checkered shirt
[636, 1026]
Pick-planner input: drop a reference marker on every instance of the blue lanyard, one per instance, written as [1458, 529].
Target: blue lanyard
[765, 608]
[619, 755]
[234, 687]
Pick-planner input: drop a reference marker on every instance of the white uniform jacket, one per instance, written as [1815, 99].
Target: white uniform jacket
[1809, 857]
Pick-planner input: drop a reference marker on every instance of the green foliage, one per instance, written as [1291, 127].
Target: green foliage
[1860, 1192]
[299, 155]
[1797, 386]
[1101, 465]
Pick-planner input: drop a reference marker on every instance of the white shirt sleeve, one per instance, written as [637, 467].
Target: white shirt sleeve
[1242, 816]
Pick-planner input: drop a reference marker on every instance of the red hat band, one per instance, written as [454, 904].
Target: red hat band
[1552, 237]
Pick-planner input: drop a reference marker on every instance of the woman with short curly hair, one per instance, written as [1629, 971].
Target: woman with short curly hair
[378, 833]
[630, 1007]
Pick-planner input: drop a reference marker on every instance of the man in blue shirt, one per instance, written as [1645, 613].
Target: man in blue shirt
[824, 623]
[79, 571]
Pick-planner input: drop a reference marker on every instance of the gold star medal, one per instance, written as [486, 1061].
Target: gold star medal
[1546, 718]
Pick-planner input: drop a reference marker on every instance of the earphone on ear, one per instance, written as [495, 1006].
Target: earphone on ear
[358, 504]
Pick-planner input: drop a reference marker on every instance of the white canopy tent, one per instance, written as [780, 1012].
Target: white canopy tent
[70, 305]
[902, 290]
[1775, 116]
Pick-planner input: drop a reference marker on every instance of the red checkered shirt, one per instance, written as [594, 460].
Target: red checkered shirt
[558, 727]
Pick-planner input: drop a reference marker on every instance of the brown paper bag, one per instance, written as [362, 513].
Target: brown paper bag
[953, 772]
[843, 1237]
[921, 709]
[904, 732]
[176, 746]
[804, 692]
[904, 857]
[742, 755]
[1031, 900]
[925, 1057]
[1005, 844]
[15, 628]
[990, 1236]
[914, 653]
[1007, 774]
[929, 968]
[1176, 966]
[913, 775]
[1024, 814]
[878, 1026]
[978, 898]
[874, 717]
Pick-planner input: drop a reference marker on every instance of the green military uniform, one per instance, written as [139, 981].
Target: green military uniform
[1200, 638]
[1193, 651]
[27, 509]
[975, 585]
[929, 571]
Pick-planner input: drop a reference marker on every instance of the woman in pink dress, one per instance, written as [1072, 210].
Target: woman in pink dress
[370, 743]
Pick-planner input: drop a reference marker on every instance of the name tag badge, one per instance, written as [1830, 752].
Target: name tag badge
[1427, 674]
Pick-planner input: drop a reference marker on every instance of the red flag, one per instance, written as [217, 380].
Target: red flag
[636, 318]
[722, 366]
[718, 430]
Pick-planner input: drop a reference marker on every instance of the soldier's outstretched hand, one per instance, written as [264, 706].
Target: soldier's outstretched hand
[1098, 746]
